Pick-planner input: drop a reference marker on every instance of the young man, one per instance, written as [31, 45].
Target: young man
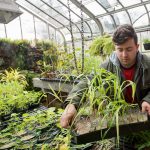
[128, 64]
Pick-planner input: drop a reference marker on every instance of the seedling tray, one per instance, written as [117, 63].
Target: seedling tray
[110, 132]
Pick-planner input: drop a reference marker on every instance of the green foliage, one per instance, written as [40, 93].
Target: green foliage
[12, 93]
[43, 125]
[102, 46]
[146, 40]
[3, 40]
[66, 65]
[91, 63]
[143, 140]
[13, 75]
[105, 94]
[65, 62]
[22, 48]
[20, 54]
[13, 97]
[29, 75]
[46, 45]
[50, 57]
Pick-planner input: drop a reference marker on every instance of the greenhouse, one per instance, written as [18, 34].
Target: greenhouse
[75, 74]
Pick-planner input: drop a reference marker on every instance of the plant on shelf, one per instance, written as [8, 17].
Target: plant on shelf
[146, 43]
[48, 65]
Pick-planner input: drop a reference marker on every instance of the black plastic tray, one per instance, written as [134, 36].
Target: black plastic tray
[60, 80]
[110, 132]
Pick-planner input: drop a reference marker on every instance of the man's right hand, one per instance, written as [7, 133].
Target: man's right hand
[67, 116]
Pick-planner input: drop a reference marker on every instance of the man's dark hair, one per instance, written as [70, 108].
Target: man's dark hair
[123, 33]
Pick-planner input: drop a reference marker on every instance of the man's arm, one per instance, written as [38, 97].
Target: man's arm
[75, 98]
[68, 115]
[73, 101]
[77, 93]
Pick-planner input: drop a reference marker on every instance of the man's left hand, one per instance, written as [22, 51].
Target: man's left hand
[146, 107]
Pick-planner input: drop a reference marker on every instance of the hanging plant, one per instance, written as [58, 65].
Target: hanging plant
[102, 46]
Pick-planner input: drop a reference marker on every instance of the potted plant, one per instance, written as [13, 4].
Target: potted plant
[146, 43]
[102, 46]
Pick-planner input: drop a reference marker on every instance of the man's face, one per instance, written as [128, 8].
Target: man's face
[127, 52]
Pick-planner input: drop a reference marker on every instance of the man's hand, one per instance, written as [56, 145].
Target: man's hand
[146, 107]
[68, 115]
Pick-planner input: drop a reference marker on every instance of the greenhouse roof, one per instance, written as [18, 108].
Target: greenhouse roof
[91, 17]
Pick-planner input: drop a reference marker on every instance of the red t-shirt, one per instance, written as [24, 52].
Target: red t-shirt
[129, 75]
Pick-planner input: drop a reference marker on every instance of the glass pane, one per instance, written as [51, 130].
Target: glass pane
[94, 8]
[137, 13]
[65, 31]
[85, 27]
[110, 5]
[27, 25]
[148, 7]
[41, 29]
[59, 38]
[2, 31]
[74, 17]
[13, 29]
[52, 33]
[107, 23]
[54, 14]
[94, 27]
[39, 12]
[50, 20]
[66, 34]
[121, 18]
[129, 2]
[142, 21]
[74, 8]
[28, 5]
[61, 9]
[86, 30]
[76, 32]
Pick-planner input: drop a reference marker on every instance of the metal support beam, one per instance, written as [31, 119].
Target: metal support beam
[126, 11]
[42, 19]
[118, 10]
[140, 17]
[122, 9]
[147, 12]
[107, 11]
[21, 27]
[77, 16]
[90, 14]
[5, 30]
[61, 15]
[34, 28]
[45, 13]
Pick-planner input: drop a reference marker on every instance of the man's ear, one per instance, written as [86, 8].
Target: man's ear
[137, 47]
